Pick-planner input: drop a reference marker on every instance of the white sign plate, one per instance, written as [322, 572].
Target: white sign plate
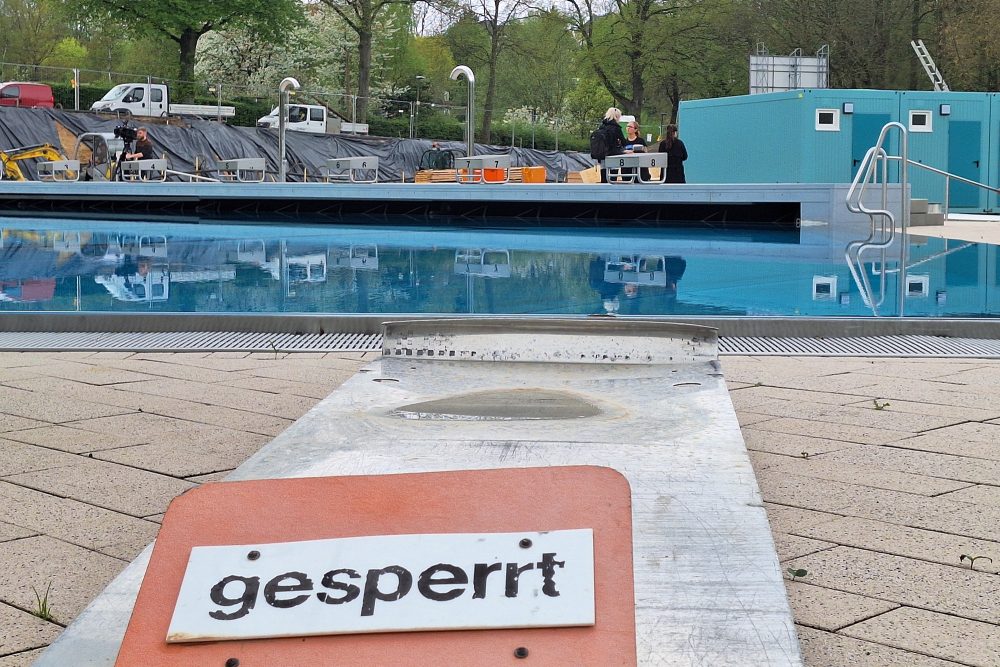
[388, 583]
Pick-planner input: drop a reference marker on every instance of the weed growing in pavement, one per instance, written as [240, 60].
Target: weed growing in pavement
[880, 406]
[972, 560]
[42, 609]
[793, 573]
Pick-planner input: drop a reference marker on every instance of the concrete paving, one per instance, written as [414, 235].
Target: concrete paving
[877, 475]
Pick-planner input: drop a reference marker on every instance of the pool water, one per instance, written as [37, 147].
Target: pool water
[96, 266]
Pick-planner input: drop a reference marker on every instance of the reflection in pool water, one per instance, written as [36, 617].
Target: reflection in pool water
[77, 265]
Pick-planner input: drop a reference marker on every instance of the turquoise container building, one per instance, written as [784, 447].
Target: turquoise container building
[821, 136]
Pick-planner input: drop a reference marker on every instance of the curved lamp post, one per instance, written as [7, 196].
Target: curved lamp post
[286, 83]
[470, 115]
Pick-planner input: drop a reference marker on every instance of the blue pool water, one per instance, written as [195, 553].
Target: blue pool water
[82, 265]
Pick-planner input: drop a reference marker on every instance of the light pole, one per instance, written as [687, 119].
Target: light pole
[416, 129]
[661, 125]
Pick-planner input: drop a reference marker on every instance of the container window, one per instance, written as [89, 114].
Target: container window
[918, 287]
[920, 121]
[828, 120]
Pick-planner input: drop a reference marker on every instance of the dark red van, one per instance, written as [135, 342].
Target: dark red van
[30, 95]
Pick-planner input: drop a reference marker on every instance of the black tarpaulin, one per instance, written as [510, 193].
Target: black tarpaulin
[206, 141]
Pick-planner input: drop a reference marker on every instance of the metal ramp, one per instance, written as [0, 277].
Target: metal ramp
[644, 398]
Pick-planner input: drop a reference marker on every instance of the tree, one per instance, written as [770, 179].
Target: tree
[186, 21]
[31, 29]
[496, 17]
[619, 33]
[362, 17]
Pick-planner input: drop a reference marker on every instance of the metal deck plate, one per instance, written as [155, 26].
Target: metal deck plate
[708, 585]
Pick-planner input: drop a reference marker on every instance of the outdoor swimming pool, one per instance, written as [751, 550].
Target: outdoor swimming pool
[97, 266]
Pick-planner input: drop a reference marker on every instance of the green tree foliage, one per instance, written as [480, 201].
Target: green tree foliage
[363, 17]
[186, 21]
[30, 30]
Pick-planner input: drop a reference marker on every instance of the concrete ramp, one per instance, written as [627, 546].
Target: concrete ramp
[645, 398]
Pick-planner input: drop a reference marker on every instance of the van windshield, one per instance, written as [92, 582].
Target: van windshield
[116, 92]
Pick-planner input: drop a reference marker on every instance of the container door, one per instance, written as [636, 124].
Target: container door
[865, 130]
[964, 159]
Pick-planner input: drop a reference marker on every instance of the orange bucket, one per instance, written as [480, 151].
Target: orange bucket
[494, 175]
[533, 174]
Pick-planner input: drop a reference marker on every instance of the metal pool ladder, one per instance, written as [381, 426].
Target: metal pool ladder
[874, 169]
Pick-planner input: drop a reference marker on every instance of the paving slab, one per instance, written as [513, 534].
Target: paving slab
[144, 427]
[875, 476]
[188, 457]
[829, 609]
[288, 407]
[906, 509]
[980, 494]
[68, 439]
[111, 533]
[790, 547]
[24, 659]
[965, 641]
[317, 389]
[928, 545]
[825, 649]
[10, 423]
[749, 418]
[22, 631]
[970, 439]
[785, 519]
[833, 431]
[917, 407]
[916, 583]
[163, 406]
[100, 373]
[925, 391]
[40, 561]
[748, 397]
[790, 444]
[977, 376]
[919, 369]
[26, 404]
[9, 531]
[845, 383]
[104, 484]
[923, 462]
[156, 368]
[18, 457]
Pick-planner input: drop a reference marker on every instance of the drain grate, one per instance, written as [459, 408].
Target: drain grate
[189, 341]
[237, 341]
[862, 346]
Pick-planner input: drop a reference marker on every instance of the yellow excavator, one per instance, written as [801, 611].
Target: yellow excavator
[9, 159]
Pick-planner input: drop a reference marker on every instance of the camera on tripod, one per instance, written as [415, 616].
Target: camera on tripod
[126, 133]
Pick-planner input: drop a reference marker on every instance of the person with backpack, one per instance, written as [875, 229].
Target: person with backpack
[607, 140]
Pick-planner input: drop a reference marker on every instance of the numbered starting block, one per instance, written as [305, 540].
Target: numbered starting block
[483, 169]
[241, 170]
[144, 170]
[635, 162]
[67, 171]
[352, 169]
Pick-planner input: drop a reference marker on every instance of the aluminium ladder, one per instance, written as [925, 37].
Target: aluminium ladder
[932, 71]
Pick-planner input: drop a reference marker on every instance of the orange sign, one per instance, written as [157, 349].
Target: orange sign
[267, 512]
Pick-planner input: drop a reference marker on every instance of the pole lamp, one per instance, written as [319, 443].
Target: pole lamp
[416, 123]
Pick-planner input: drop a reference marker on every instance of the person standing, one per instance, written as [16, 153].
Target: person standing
[613, 137]
[676, 154]
[634, 143]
